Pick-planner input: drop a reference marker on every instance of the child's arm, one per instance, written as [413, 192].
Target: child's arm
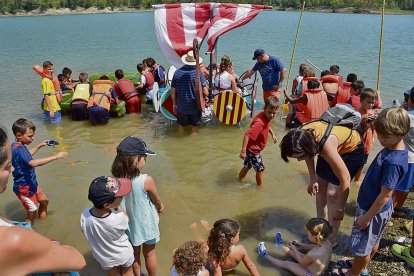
[363, 221]
[301, 258]
[46, 160]
[244, 147]
[313, 187]
[302, 99]
[149, 187]
[378, 102]
[216, 268]
[49, 105]
[273, 135]
[38, 147]
[248, 263]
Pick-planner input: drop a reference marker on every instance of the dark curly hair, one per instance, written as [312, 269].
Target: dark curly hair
[190, 257]
[298, 141]
[219, 240]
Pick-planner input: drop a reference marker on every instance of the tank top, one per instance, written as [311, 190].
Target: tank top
[222, 82]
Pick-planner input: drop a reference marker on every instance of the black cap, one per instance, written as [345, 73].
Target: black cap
[258, 53]
[132, 146]
[104, 189]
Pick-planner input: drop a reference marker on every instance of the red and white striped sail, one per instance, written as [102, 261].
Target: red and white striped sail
[176, 25]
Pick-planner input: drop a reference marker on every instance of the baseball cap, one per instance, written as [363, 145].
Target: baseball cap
[407, 92]
[104, 189]
[132, 146]
[258, 53]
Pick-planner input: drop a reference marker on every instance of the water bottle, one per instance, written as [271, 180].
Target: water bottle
[278, 239]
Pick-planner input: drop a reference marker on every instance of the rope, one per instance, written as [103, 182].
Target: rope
[380, 50]
[291, 59]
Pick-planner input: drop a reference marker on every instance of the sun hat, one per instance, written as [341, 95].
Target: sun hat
[104, 189]
[132, 146]
[189, 58]
[258, 53]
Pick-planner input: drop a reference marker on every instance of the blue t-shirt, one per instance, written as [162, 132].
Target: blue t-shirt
[184, 83]
[270, 72]
[159, 74]
[23, 174]
[387, 169]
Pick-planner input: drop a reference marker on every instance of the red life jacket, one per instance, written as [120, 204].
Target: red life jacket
[125, 89]
[304, 89]
[149, 77]
[331, 84]
[343, 93]
[316, 106]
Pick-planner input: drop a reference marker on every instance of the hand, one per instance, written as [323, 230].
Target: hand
[242, 154]
[274, 138]
[52, 114]
[61, 155]
[161, 209]
[361, 222]
[338, 214]
[313, 188]
[44, 143]
[175, 108]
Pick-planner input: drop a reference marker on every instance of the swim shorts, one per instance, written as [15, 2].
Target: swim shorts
[188, 119]
[53, 120]
[269, 93]
[29, 202]
[255, 161]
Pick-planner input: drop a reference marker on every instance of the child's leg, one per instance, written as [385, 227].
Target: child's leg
[243, 172]
[259, 178]
[359, 264]
[30, 216]
[114, 271]
[150, 259]
[127, 271]
[295, 268]
[321, 198]
[136, 266]
[332, 196]
[44, 201]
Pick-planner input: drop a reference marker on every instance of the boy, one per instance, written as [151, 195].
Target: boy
[63, 83]
[25, 183]
[255, 140]
[147, 82]
[67, 73]
[104, 225]
[374, 200]
[125, 90]
[99, 105]
[51, 106]
[157, 71]
[80, 98]
[368, 98]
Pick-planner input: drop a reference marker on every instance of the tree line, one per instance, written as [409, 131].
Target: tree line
[13, 6]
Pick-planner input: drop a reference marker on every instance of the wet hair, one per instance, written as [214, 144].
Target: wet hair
[308, 72]
[83, 77]
[61, 77]
[351, 77]
[150, 62]
[21, 125]
[225, 63]
[126, 166]
[320, 229]
[140, 67]
[3, 146]
[119, 74]
[189, 258]
[302, 68]
[298, 141]
[271, 102]
[392, 121]
[219, 240]
[313, 84]
[104, 77]
[66, 71]
[412, 95]
[325, 73]
[334, 69]
[47, 63]
[368, 93]
[358, 85]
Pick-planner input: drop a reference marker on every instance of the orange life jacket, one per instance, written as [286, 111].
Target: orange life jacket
[343, 93]
[317, 104]
[101, 94]
[304, 82]
[126, 89]
[331, 84]
[38, 69]
[149, 77]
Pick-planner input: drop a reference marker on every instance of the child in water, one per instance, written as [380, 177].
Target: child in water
[318, 255]
[189, 259]
[223, 251]
[142, 205]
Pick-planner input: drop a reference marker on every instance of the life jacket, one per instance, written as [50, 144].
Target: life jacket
[304, 89]
[331, 84]
[149, 77]
[316, 106]
[126, 89]
[101, 94]
[38, 69]
[154, 75]
[81, 92]
[343, 93]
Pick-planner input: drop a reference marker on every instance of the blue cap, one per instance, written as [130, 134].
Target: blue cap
[258, 53]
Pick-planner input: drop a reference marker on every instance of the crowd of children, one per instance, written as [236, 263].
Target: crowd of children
[126, 206]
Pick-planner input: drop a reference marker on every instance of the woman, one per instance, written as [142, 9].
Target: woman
[24, 251]
[225, 79]
[339, 159]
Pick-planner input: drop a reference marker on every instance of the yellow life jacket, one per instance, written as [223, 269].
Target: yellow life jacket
[101, 94]
[81, 92]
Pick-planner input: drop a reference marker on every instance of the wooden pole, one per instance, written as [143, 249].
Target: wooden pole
[380, 48]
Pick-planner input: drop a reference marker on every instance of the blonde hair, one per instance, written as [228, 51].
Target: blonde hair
[319, 228]
[225, 63]
[393, 121]
[308, 72]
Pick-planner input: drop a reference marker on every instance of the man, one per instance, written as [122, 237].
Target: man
[183, 93]
[272, 71]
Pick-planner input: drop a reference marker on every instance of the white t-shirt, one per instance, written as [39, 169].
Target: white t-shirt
[143, 79]
[107, 237]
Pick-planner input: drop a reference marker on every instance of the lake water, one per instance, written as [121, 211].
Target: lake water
[195, 176]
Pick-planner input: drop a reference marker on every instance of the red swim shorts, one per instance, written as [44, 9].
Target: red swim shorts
[29, 202]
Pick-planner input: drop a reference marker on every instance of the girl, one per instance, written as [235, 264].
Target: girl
[142, 205]
[225, 79]
[223, 251]
[189, 259]
[318, 255]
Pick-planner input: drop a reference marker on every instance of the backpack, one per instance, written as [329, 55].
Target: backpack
[340, 115]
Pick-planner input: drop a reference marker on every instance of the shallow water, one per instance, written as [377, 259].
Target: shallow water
[196, 176]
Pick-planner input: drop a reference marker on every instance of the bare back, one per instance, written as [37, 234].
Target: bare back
[321, 256]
